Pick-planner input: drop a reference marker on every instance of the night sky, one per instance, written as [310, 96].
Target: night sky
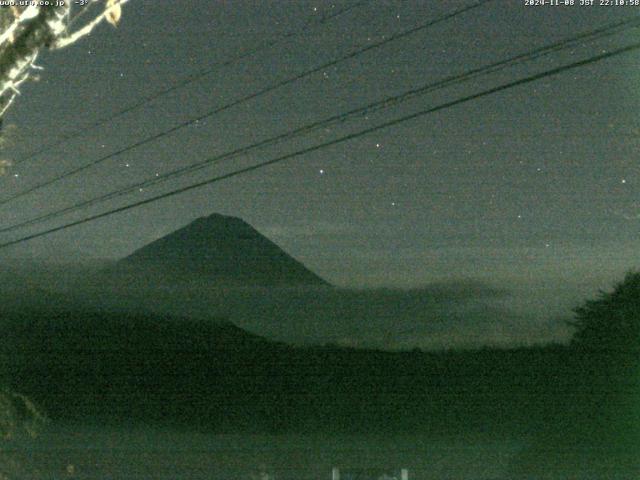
[535, 187]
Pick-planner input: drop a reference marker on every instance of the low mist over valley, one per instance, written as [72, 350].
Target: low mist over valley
[220, 267]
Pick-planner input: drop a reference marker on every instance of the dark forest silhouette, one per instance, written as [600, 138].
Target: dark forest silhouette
[612, 321]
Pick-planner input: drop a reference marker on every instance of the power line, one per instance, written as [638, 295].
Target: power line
[247, 98]
[311, 22]
[384, 103]
[345, 138]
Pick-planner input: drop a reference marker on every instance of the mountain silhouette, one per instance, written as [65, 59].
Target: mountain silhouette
[222, 249]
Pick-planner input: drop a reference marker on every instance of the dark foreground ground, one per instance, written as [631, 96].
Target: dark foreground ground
[170, 454]
[160, 397]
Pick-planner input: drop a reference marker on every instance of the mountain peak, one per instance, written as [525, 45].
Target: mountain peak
[223, 249]
[217, 219]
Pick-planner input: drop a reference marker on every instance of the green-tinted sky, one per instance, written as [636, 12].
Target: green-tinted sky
[536, 185]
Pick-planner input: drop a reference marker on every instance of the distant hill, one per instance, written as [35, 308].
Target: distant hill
[127, 368]
[223, 249]
[20, 292]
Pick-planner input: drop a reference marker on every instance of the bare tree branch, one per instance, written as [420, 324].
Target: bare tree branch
[111, 14]
[24, 31]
